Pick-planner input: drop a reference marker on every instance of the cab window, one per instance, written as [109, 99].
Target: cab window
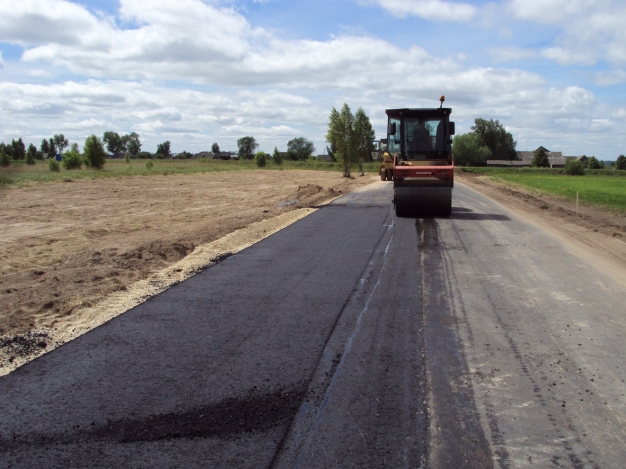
[422, 136]
[394, 141]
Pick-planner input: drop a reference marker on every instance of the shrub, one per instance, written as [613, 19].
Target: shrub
[54, 165]
[621, 162]
[94, 152]
[5, 161]
[32, 150]
[260, 158]
[149, 165]
[144, 154]
[159, 156]
[127, 158]
[30, 156]
[276, 156]
[72, 160]
[594, 163]
[574, 168]
[468, 152]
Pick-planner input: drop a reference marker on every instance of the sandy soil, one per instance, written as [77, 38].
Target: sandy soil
[68, 248]
[594, 233]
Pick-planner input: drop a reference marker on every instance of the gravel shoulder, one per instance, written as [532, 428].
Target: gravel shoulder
[597, 234]
[76, 254]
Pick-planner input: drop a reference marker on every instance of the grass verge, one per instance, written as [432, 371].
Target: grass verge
[597, 187]
[20, 174]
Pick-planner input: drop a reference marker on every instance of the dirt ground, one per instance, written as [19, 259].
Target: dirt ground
[66, 246]
[598, 234]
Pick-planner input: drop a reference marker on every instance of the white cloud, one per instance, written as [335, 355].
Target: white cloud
[436, 10]
[587, 31]
[247, 80]
[1, 61]
[610, 78]
[199, 42]
[38, 73]
[79, 109]
[508, 54]
[194, 119]
[565, 56]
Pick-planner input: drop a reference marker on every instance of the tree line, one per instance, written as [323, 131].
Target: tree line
[489, 140]
[350, 137]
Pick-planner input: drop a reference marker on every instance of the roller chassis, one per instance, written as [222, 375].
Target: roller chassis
[422, 180]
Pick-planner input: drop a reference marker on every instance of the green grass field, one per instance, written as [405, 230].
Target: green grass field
[596, 187]
[20, 174]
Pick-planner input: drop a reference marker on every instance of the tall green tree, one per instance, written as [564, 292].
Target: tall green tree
[540, 159]
[621, 162]
[115, 143]
[31, 154]
[594, 163]
[93, 151]
[163, 149]
[215, 149]
[134, 143]
[341, 133]
[300, 149]
[52, 148]
[276, 156]
[32, 149]
[247, 146]
[38, 155]
[19, 149]
[467, 151]
[493, 135]
[61, 142]
[6, 149]
[364, 135]
[45, 147]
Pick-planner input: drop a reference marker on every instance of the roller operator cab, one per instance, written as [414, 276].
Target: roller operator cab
[419, 142]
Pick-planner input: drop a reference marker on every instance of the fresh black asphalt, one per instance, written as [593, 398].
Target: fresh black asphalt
[352, 338]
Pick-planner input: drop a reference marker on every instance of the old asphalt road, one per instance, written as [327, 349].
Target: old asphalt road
[350, 339]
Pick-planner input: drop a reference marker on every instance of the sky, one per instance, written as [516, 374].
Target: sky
[194, 72]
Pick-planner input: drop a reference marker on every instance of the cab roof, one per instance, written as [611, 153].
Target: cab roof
[419, 112]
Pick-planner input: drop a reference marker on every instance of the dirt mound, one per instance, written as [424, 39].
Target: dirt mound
[311, 195]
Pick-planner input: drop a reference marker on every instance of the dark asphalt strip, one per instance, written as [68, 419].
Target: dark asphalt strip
[239, 341]
[456, 437]
[368, 405]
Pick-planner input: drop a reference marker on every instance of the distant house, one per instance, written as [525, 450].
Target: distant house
[324, 157]
[118, 155]
[508, 163]
[525, 159]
